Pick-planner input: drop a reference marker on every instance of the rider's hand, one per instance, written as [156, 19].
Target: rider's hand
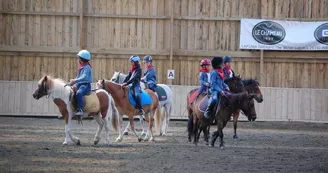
[124, 84]
[207, 84]
[222, 92]
[72, 82]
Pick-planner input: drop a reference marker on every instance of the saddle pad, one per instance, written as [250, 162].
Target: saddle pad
[145, 98]
[161, 93]
[203, 105]
[91, 103]
[193, 95]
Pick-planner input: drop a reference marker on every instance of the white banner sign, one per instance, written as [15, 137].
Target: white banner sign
[283, 35]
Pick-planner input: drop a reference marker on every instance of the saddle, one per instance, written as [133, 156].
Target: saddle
[91, 101]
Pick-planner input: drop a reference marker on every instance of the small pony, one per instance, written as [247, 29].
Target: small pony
[99, 105]
[120, 95]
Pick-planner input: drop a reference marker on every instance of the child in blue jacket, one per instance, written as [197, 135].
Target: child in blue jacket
[83, 79]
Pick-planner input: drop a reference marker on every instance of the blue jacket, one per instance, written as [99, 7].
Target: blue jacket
[217, 83]
[203, 78]
[150, 76]
[84, 76]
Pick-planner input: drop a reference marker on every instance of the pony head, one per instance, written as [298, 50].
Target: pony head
[44, 87]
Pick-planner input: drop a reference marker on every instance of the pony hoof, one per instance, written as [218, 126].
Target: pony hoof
[212, 144]
[206, 142]
[189, 139]
[235, 136]
[95, 142]
[221, 147]
[125, 133]
[118, 140]
[139, 140]
[164, 134]
[151, 140]
[195, 143]
[78, 142]
[65, 143]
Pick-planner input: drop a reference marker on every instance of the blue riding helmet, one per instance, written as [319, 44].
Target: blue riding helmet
[134, 58]
[227, 59]
[84, 54]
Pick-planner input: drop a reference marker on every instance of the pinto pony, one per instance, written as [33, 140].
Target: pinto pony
[121, 98]
[102, 106]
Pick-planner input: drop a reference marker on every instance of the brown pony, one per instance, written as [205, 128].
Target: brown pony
[237, 85]
[121, 98]
[228, 105]
[196, 120]
[99, 105]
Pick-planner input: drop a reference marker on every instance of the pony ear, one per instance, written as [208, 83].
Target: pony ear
[238, 75]
[45, 78]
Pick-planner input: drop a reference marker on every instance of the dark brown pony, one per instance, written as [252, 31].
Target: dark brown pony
[121, 98]
[228, 105]
[249, 85]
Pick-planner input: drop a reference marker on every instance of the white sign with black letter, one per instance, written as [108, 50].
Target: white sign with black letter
[170, 74]
[283, 35]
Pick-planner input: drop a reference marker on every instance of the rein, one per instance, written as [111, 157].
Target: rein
[104, 87]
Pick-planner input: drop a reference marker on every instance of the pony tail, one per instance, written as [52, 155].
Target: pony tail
[114, 116]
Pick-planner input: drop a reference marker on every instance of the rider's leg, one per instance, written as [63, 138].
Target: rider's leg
[81, 92]
[138, 100]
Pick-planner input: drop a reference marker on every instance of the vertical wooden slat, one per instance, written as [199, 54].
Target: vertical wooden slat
[81, 24]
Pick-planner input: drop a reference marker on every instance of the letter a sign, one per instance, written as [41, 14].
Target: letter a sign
[170, 74]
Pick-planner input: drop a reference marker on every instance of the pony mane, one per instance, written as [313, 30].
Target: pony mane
[231, 79]
[250, 81]
[234, 98]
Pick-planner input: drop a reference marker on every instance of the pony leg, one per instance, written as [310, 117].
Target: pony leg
[143, 133]
[68, 128]
[235, 118]
[126, 130]
[168, 110]
[120, 136]
[132, 128]
[150, 126]
[100, 126]
[106, 120]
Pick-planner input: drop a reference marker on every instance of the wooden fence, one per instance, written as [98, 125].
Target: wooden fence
[280, 104]
[43, 36]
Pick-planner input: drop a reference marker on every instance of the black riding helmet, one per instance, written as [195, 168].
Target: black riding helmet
[216, 62]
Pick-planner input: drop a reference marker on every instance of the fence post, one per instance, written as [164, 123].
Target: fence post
[171, 39]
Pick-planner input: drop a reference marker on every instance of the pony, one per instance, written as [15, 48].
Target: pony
[249, 85]
[119, 77]
[121, 99]
[99, 105]
[228, 105]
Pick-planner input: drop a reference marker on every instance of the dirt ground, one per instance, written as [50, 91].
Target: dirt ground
[35, 145]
